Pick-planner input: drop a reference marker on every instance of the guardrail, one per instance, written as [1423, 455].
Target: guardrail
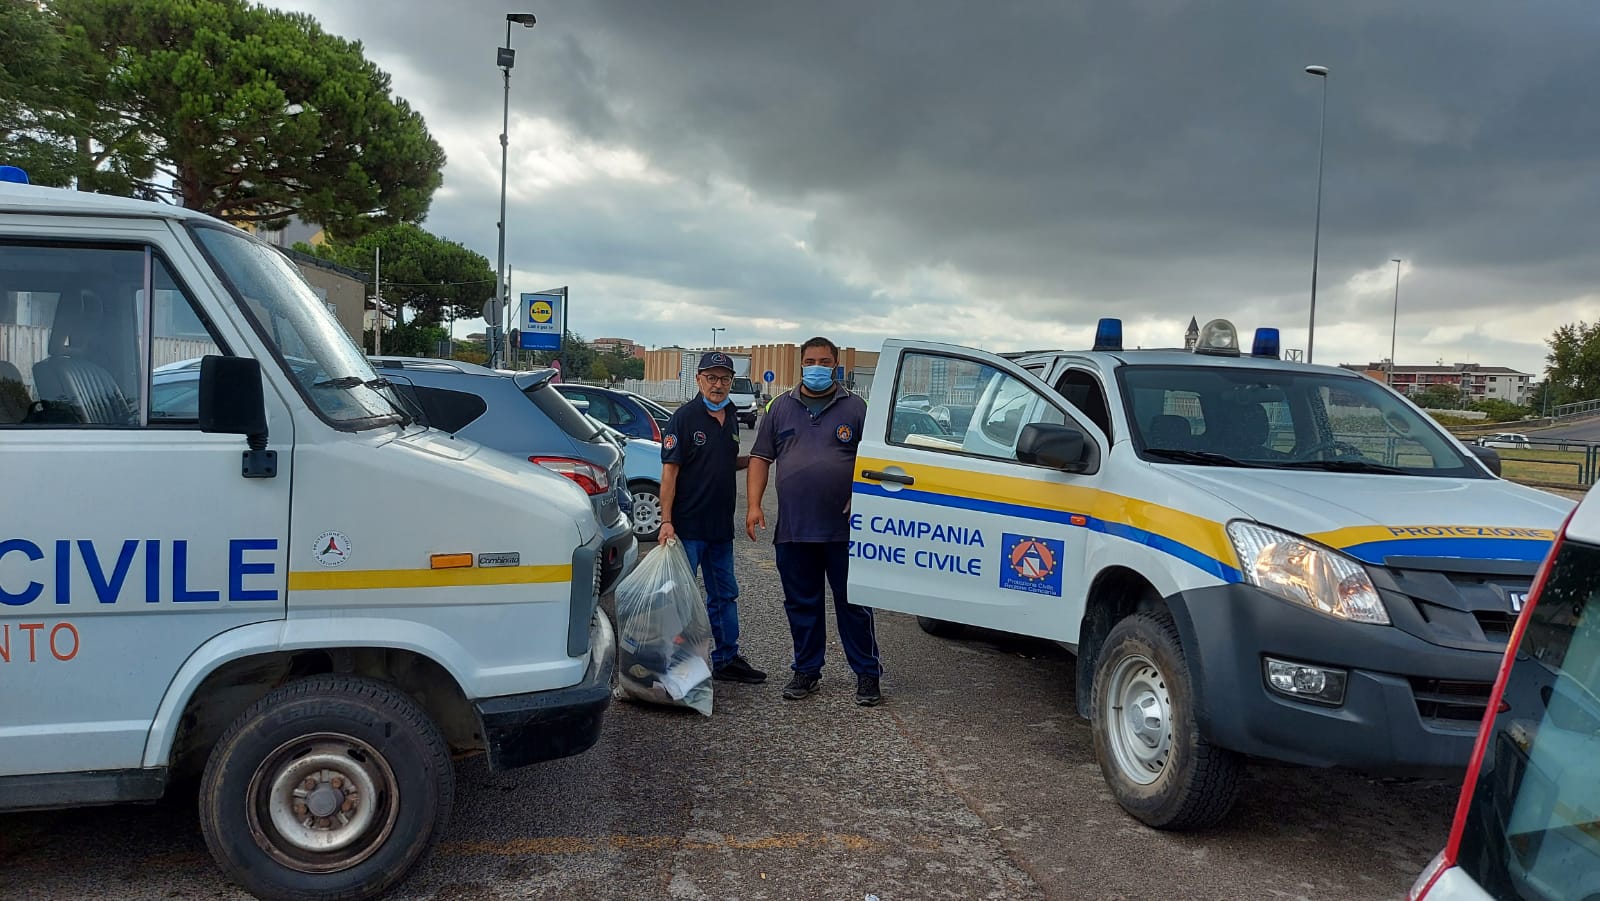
[1545, 461]
[1579, 408]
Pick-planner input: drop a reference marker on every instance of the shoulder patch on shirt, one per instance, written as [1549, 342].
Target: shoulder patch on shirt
[844, 434]
[670, 441]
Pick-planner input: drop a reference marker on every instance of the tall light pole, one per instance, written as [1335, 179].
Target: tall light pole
[1316, 239]
[1395, 328]
[505, 58]
[714, 337]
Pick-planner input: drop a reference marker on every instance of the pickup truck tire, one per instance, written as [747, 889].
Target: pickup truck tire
[940, 628]
[330, 788]
[1145, 733]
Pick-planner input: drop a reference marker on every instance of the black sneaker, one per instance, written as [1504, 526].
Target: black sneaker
[867, 693]
[739, 670]
[801, 685]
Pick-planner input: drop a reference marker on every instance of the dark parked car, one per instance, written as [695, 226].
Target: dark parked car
[521, 415]
[624, 411]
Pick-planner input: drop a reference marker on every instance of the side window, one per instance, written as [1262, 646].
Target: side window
[69, 335]
[448, 410]
[180, 338]
[964, 406]
[1084, 392]
[620, 413]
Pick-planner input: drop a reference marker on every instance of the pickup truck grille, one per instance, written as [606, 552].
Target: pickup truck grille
[1447, 701]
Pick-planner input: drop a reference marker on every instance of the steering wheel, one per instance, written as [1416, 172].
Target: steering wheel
[1343, 450]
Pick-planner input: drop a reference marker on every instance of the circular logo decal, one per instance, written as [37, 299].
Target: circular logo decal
[669, 442]
[331, 549]
[541, 311]
[844, 434]
[699, 437]
[1031, 559]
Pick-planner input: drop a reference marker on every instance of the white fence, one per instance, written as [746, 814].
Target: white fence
[24, 345]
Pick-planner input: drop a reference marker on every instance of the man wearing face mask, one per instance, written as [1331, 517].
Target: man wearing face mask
[699, 459]
[811, 435]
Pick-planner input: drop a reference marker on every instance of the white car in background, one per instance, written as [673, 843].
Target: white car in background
[1506, 439]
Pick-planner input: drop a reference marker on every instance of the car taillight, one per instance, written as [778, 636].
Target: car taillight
[592, 479]
[655, 427]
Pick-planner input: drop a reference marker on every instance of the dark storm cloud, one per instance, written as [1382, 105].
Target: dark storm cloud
[1151, 155]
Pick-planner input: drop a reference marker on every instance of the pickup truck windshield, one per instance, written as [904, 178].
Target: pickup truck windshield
[1282, 419]
[1533, 822]
[328, 369]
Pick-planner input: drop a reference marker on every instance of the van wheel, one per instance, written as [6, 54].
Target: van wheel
[328, 789]
[646, 510]
[939, 628]
[1145, 733]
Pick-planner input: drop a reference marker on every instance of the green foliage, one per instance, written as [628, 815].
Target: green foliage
[624, 366]
[580, 357]
[430, 275]
[39, 87]
[1574, 362]
[599, 372]
[246, 113]
[411, 339]
[1501, 410]
[1438, 397]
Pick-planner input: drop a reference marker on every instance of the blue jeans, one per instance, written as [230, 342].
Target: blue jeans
[714, 561]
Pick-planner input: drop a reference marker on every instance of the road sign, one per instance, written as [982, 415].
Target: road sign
[543, 319]
[769, 377]
[493, 311]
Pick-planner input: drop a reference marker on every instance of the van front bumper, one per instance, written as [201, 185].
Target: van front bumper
[546, 725]
[1410, 707]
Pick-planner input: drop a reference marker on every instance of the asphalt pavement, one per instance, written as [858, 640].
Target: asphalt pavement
[975, 779]
[1581, 430]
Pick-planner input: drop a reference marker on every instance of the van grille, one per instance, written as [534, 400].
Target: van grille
[1454, 702]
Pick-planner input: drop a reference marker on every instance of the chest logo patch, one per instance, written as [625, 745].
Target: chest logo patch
[669, 442]
[844, 434]
[699, 438]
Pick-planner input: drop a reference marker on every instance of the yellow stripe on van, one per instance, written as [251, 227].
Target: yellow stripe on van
[358, 579]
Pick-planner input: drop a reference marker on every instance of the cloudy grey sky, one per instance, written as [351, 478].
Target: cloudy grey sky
[1003, 173]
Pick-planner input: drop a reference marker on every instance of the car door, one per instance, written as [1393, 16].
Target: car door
[130, 537]
[954, 526]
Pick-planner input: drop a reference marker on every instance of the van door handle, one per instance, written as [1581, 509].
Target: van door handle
[873, 475]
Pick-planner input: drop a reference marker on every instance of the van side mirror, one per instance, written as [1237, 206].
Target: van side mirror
[231, 403]
[1489, 456]
[1051, 444]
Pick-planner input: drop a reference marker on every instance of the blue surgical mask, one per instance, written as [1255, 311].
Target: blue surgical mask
[817, 378]
[715, 407]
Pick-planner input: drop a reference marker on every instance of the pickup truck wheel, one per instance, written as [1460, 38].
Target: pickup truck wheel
[939, 628]
[1145, 733]
[329, 788]
[646, 510]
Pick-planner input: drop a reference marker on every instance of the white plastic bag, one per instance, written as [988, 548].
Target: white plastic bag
[663, 633]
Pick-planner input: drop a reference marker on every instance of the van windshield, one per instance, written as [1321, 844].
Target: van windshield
[1533, 822]
[326, 366]
[742, 385]
[1283, 419]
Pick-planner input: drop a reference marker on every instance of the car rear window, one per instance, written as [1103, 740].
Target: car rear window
[562, 412]
[451, 411]
[1533, 824]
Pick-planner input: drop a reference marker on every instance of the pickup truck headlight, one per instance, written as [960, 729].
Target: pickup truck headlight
[1301, 571]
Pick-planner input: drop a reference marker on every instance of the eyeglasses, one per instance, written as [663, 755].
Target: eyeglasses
[717, 379]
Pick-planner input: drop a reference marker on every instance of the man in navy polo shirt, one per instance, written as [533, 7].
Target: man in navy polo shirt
[699, 459]
[811, 433]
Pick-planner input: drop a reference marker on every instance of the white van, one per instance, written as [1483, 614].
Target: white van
[1249, 557]
[268, 576]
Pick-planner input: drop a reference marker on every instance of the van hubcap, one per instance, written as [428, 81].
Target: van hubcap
[322, 803]
[1139, 725]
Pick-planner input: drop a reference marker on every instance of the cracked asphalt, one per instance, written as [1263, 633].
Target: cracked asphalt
[974, 780]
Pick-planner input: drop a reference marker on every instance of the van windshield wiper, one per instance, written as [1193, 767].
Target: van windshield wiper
[1204, 458]
[1346, 466]
[377, 385]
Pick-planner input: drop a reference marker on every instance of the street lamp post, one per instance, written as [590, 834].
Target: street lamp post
[505, 58]
[1395, 328]
[1316, 239]
[714, 337]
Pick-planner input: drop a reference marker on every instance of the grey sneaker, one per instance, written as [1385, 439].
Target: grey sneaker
[801, 685]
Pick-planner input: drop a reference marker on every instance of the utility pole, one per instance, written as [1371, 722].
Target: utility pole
[377, 302]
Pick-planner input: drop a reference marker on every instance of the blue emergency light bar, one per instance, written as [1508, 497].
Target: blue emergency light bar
[1266, 343]
[13, 174]
[1108, 335]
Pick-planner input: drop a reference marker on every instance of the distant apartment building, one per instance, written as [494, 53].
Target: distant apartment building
[625, 346]
[1475, 381]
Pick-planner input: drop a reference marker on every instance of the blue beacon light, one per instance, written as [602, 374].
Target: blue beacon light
[1108, 335]
[13, 174]
[1266, 343]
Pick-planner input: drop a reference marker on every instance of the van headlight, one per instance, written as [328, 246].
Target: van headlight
[1298, 570]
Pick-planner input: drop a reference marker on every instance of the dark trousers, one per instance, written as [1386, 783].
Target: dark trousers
[807, 568]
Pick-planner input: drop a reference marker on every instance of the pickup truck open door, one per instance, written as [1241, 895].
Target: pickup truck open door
[971, 504]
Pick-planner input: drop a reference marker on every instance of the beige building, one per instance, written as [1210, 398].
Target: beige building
[344, 290]
[665, 364]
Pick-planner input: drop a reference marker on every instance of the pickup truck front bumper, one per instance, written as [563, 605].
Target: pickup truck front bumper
[546, 725]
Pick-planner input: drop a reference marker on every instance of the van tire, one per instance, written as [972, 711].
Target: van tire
[1159, 769]
[340, 733]
[940, 628]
